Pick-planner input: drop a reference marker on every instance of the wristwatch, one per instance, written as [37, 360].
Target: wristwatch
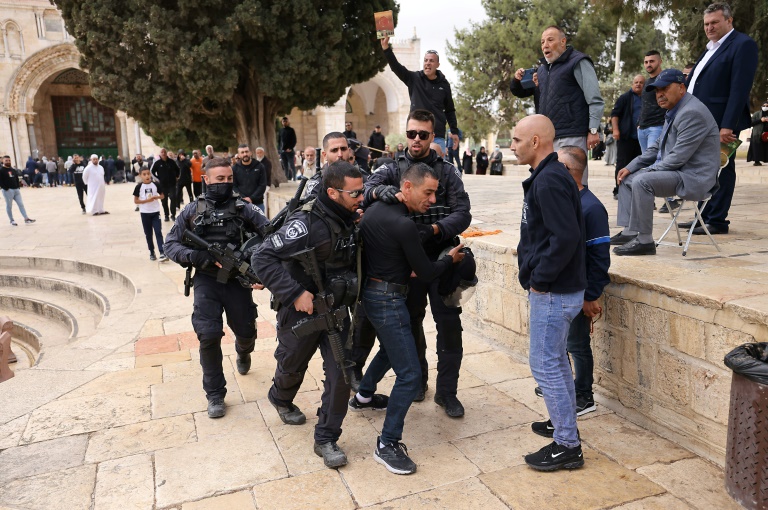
[593, 131]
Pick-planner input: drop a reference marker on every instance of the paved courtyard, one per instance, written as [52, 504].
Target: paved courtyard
[113, 413]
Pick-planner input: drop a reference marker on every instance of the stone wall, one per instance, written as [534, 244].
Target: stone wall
[658, 351]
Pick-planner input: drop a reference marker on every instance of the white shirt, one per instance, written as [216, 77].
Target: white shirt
[712, 47]
[145, 191]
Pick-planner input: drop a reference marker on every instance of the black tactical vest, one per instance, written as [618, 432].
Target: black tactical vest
[343, 243]
[220, 224]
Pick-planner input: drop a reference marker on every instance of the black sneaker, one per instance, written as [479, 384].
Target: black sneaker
[378, 403]
[243, 363]
[422, 394]
[290, 414]
[453, 407]
[167, 218]
[555, 456]
[543, 428]
[333, 456]
[538, 392]
[585, 404]
[395, 458]
[663, 209]
[152, 256]
[29, 220]
[216, 408]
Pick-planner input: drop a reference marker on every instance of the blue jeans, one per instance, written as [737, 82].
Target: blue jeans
[550, 318]
[648, 136]
[11, 196]
[441, 143]
[579, 348]
[397, 350]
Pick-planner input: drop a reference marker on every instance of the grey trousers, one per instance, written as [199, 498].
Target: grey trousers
[578, 141]
[636, 195]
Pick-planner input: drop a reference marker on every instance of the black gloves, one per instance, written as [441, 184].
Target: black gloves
[425, 232]
[386, 193]
[202, 259]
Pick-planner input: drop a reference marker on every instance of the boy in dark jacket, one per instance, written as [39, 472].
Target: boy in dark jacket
[550, 258]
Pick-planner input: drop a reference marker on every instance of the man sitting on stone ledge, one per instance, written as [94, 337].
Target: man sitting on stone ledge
[683, 162]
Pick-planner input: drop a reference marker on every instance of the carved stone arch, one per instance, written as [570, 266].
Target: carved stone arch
[27, 79]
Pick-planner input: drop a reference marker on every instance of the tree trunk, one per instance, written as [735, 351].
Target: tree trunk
[255, 117]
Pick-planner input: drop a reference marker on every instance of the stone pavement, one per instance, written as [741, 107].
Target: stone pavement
[112, 415]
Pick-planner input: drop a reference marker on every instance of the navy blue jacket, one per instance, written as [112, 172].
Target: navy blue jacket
[724, 83]
[624, 110]
[551, 251]
[598, 257]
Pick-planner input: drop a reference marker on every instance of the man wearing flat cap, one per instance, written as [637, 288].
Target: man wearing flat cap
[683, 161]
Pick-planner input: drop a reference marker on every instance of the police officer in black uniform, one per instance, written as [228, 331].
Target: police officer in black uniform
[438, 229]
[335, 148]
[326, 224]
[218, 216]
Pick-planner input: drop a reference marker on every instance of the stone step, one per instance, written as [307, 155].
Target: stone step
[104, 287]
[79, 319]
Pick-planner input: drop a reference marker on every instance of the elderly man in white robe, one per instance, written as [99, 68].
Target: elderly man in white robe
[93, 178]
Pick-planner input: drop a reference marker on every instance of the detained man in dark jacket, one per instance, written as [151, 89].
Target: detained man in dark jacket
[250, 177]
[597, 261]
[428, 90]
[550, 258]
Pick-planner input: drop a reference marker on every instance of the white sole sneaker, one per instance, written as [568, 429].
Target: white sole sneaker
[390, 468]
[588, 409]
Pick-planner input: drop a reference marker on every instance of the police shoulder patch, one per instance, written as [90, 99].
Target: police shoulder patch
[258, 210]
[277, 243]
[456, 171]
[382, 167]
[295, 230]
[311, 185]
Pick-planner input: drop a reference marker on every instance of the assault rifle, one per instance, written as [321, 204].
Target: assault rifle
[230, 258]
[293, 204]
[328, 318]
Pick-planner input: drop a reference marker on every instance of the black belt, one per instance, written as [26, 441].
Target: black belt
[379, 285]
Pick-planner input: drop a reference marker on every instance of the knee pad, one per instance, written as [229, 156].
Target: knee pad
[208, 340]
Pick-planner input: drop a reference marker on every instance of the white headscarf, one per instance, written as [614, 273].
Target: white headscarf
[69, 162]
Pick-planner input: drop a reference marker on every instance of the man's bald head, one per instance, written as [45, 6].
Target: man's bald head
[533, 139]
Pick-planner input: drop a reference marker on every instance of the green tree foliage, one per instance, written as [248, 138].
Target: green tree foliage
[487, 54]
[749, 16]
[213, 70]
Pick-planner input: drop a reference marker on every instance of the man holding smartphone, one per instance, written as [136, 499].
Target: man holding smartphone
[566, 91]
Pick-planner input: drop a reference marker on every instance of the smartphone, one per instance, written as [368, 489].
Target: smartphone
[527, 81]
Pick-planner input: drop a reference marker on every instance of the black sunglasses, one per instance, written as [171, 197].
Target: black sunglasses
[352, 194]
[412, 133]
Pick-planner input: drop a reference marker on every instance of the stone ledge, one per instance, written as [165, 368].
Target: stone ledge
[63, 266]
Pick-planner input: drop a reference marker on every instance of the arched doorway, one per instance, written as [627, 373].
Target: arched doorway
[49, 97]
[70, 121]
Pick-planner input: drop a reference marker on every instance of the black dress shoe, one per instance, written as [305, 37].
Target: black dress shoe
[620, 239]
[713, 229]
[635, 247]
[685, 225]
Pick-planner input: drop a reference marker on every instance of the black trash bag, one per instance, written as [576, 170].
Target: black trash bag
[750, 360]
